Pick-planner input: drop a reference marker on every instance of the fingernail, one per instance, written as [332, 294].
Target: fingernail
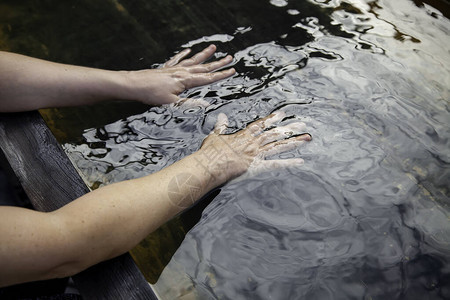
[308, 137]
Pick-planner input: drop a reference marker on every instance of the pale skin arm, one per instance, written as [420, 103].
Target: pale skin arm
[28, 83]
[113, 219]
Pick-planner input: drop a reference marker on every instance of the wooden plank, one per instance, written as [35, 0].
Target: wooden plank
[51, 181]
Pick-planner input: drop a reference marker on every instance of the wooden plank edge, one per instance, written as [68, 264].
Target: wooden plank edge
[51, 181]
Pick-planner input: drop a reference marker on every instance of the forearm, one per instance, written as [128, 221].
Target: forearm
[27, 83]
[98, 226]
[111, 220]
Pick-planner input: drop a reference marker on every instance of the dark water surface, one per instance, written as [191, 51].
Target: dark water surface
[366, 217]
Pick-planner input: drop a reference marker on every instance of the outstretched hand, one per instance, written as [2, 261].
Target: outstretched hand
[226, 156]
[163, 86]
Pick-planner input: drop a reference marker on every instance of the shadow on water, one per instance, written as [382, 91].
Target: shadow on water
[365, 217]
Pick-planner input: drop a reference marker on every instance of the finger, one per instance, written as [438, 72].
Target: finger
[199, 57]
[221, 124]
[206, 68]
[171, 99]
[190, 103]
[176, 59]
[284, 145]
[273, 164]
[195, 80]
[258, 126]
[281, 132]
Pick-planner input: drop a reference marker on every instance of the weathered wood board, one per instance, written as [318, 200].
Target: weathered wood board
[51, 181]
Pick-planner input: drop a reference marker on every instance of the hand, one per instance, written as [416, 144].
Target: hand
[226, 156]
[162, 86]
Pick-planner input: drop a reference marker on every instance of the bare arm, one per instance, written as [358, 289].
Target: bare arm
[111, 220]
[27, 83]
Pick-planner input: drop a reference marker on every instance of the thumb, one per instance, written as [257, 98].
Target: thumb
[221, 124]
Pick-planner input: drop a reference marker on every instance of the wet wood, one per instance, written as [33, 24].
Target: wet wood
[51, 181]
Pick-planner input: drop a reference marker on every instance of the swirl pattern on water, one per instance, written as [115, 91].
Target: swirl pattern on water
[367, 215]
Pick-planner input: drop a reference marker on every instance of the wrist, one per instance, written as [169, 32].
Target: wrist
[124, 87]
[105, 84]
[187, 180]
[213, 167]
[139, 86]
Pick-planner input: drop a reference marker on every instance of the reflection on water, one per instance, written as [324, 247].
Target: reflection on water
[367, 216]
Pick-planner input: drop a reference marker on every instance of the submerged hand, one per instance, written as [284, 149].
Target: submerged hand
[162, 86]
[226, 156]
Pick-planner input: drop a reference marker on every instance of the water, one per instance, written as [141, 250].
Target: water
[367, 216]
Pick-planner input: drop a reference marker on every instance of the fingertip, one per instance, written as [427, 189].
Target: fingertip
[186, 51]
[227, 59]
[298, 162]
[221, 123]
[199, 102]
[278, 115]
[226, 73]
[308, 137]
[222, 118]
[298, 127]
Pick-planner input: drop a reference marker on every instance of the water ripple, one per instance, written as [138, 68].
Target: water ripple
[367, 215]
